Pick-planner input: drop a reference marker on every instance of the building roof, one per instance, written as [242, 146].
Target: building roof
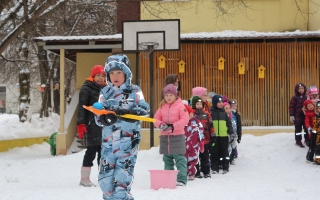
[105, 43]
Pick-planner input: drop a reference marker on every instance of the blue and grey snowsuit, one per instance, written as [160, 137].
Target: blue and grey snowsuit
[120, 141]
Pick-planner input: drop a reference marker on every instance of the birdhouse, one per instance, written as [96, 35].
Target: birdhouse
[221, 63]
[43, 87]
[162, 61]
[261, 70]
[181, 66]
[39, 86]
[241, 68]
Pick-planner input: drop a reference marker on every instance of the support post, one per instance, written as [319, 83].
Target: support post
[61, 91]
[151, 99]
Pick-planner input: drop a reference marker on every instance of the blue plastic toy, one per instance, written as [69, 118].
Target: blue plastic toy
[97, 106]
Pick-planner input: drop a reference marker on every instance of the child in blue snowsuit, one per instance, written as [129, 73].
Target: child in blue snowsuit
[120, 136]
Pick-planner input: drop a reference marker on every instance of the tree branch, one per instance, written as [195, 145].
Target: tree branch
[43, 8]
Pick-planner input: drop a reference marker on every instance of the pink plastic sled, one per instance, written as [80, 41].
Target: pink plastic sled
[163, 178]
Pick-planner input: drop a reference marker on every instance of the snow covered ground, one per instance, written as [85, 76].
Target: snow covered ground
[268, 167]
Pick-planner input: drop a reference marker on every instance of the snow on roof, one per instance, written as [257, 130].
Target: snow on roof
[200, 35]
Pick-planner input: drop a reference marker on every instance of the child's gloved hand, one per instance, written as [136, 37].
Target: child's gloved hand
[170, 128]
[81, 130]
[163, 126]
[201, 145]
[213, 140]
[292, 119]
[309, 129]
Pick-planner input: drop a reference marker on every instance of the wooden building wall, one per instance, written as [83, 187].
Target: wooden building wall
[261, 102]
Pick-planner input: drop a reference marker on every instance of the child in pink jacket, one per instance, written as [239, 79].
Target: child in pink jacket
[171, 118]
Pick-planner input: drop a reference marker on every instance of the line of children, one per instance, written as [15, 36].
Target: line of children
[310, 113]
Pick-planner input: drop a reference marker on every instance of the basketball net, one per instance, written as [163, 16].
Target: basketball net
[146, 48]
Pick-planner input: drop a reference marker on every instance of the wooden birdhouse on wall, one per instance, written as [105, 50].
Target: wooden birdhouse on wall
[241, 68]
[221, 63]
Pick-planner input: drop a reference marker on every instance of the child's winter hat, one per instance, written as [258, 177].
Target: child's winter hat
[170, 89]
[198, 91]
[215, 99]
[233, 101]
[194, 101]
[306, 102]
[225, 103]
[97, 69]
[189, 109]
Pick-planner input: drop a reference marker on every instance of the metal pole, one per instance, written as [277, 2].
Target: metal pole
[151, 100]
[137, 69]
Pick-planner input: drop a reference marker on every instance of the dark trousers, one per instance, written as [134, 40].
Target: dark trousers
[298, 125]
[90, 155]
[204, 161]
[312, 147]
[219, 154]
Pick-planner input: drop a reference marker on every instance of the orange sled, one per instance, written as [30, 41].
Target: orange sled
[129, 116]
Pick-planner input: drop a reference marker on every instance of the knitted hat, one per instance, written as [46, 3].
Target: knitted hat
[225, 103]
[198, 91]
[170, 89]
[98, 69]
[306, 102]
[233, 101]
[189, 109]
[194, 101]
[215, 99]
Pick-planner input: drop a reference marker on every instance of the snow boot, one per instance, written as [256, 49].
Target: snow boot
[299, 143]
[85, 177]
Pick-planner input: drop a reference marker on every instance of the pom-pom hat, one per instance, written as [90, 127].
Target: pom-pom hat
[189, 109]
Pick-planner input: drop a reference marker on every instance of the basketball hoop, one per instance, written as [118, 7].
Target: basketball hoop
[147, 47]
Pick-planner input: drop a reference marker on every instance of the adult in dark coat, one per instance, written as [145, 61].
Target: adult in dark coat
[296, 113]
[87, 128]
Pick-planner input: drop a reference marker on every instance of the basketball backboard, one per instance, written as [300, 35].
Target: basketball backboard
[164, 32]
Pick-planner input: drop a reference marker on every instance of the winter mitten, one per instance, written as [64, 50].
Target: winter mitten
[163, 126]
[238, 141]
[201, 146]
[81, 130]
[170, 128]
[309, 129]
[292, 119]
[135, 139]
[121, 111]
[108, 119]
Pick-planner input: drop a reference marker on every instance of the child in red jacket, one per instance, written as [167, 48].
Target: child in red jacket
[205, 118]
[194, 142]
[309, 113]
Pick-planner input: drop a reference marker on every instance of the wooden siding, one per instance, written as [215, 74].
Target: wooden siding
[261, 102]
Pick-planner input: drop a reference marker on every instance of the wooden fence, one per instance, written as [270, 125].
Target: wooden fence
[261, 101]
